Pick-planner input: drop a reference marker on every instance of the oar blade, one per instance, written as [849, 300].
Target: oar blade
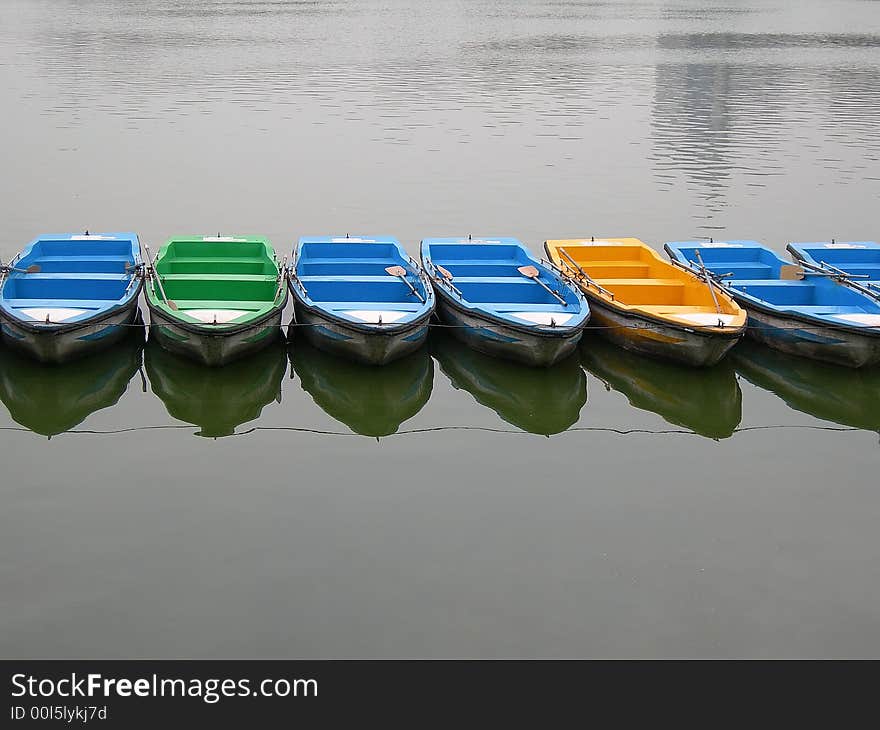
[445, 273]
[34, 269]
[395, 271]
[530, 271]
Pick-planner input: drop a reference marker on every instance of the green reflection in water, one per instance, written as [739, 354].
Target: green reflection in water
[708, 401]
[544, 401]
[217, 400]
[370, 400]
[842, 395]
[52, 399]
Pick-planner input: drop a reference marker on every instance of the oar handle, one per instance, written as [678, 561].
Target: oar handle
[709, 281]
[400, 273]
[282, 277]
[572, 263]
[156, 274]
[548, 289]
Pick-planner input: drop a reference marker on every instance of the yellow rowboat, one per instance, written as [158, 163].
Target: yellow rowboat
[644, 303]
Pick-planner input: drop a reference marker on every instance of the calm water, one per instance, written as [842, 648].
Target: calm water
[295, 505]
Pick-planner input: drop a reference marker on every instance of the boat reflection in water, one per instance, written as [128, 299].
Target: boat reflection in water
[543, 401]
[371, 400]
[216, 399]
[830, 392]
[52, 399]
[707, 401]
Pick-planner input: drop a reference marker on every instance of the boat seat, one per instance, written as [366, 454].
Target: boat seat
[827, 309]
[517, 278]
[219, 277]
[682, 308]
[216, 259]
[60, 303]
[97, 257]
[185, 304]
[76, 276]
[402, 306]
[510, 307]
[608, 283]
[769, 282]
[350, 278]
[347, 260]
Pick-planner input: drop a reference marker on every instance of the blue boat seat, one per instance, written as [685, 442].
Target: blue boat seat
[827, 309]
[347, 261]
[517, 279]
[510, 307]
[72, 276]
[350, 278]
[401, 306]
[60, 303]
[94, 257]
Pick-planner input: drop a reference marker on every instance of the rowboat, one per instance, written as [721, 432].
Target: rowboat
[217, 400]
[496, 297]
[856, 261]
[707, 401]
[361, 298]
[822, 390]
[791, 309]
[370, 401]
[542, 401]
[50, 399]
[216, 299]
[66, 296]
[645, 304]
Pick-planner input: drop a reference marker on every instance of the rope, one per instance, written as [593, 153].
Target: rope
[437, 429]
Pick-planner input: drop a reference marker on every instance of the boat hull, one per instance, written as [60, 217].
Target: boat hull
[218, 347]
[647, 336]
[808, 338]
[491, 337]
[368, 345]
[61, 343]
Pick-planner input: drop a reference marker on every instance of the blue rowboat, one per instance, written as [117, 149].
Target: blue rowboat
[858, 261]
[499, 299]
[362, 298]
[70, 295]
[796, 311]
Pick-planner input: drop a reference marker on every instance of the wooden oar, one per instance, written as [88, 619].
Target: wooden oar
[447, 275]
[532, 273]
[400, 273]
[32, 269]
[843, 273]
[168, 303]
[282, 277]
[570, 262]
[866, 288]
[709, 282]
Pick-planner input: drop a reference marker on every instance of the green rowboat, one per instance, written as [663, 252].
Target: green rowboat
[216, 299]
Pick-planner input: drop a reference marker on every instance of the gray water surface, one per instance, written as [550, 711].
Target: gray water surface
[451, 505]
